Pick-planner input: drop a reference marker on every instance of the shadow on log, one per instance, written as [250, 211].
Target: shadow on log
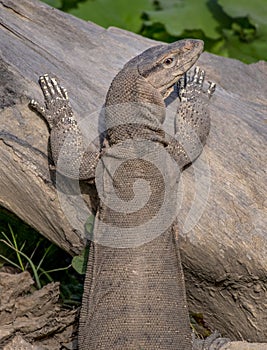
[223, 213]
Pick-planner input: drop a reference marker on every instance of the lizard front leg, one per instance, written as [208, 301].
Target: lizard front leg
[72, 157]
[192, 124]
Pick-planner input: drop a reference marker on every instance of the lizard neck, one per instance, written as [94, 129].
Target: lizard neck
[132, 100]
[129, 86]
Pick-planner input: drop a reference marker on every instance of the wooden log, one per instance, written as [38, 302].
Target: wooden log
[222, 221]
[34, 314]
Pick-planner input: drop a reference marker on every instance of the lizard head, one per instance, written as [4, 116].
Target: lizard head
[163, 65]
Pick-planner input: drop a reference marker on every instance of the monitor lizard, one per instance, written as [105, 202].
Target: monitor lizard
[134, 292]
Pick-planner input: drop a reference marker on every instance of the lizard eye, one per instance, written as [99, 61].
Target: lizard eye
[168, 62]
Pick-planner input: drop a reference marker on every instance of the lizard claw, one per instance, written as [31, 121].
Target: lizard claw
[198, 77]
[51, 89]
[46, 87]
[211, 89]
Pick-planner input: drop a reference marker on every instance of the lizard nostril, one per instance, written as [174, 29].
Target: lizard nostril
[188, 47]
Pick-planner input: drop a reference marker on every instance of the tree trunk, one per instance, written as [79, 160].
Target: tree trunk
[222, 222]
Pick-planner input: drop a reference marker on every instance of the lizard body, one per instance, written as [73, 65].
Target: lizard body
[134, 292]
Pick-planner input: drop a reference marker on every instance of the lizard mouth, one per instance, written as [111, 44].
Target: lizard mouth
[168, 89]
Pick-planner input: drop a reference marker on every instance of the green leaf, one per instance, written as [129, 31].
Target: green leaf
[254, 51]
[186, 15]
[120, 13]
[79, 262]
[165, 4]
[9, 261]
[55, 3]
[255, 11]
[89, 225]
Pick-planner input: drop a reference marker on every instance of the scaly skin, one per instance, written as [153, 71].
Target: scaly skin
[134, 293]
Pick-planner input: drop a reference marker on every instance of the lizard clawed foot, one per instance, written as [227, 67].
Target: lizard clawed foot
[192, 123]
[191, 85]
[56, 100]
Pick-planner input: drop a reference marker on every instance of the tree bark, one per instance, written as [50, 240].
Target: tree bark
[34, 314]
[222, 221]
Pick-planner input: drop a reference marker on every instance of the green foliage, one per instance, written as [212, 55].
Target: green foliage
[119, 13]
[55, 3]
[24, 261]
[182, 15]
[24, 249]
[89, 225]
[232, 28]
[79, 262]
[248, 34]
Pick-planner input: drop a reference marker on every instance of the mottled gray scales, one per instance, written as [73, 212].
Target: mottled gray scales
[134, 294]
[66, 138]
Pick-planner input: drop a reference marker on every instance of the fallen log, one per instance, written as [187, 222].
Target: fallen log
[222, 215]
